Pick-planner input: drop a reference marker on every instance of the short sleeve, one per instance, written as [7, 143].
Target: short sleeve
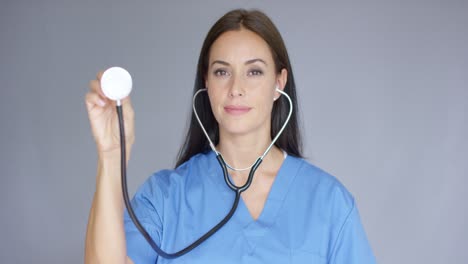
[145, 207]
[351, 245]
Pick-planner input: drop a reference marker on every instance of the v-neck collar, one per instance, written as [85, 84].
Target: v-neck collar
[273, 203]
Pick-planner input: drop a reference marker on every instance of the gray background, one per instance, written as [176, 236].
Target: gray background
[383, 97]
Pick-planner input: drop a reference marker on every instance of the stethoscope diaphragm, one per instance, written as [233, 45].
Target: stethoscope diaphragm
[116, 83]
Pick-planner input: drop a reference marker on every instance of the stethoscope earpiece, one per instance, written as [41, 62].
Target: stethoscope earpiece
[278, 90]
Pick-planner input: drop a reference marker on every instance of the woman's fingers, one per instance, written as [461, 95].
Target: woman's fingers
[126, 100]
[93, 99]
[99, 75]
[95, 86]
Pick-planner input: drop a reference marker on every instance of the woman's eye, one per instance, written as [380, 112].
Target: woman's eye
[255, 72]
[220, 72]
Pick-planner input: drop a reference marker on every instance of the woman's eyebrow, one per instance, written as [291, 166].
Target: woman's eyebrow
[220, 62]
[255, 60]
[246, 63]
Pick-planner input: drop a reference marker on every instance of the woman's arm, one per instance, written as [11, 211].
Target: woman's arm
[105, 236]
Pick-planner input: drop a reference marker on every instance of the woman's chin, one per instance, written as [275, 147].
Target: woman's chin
[239, 129]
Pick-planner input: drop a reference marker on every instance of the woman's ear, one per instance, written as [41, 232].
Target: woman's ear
[281, 80]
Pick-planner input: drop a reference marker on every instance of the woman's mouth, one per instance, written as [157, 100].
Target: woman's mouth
[236, 109]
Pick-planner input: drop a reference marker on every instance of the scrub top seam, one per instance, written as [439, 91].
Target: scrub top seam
[347, 218]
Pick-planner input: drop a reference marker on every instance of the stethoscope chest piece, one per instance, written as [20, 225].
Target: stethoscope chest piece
[116, 83]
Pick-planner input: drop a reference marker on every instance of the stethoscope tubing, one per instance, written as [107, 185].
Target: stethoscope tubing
[137, 223]
[237, 189]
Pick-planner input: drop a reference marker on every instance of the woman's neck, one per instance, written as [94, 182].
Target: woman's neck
[241, 151]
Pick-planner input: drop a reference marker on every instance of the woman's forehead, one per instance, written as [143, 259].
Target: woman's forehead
[240, 46]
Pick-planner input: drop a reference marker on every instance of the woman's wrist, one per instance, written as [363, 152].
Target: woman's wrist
[113, 155]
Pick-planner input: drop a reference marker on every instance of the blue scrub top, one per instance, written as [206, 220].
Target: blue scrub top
[308, 217]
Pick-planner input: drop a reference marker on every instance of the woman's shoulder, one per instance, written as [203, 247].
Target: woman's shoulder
[320, 184]
[181, 175]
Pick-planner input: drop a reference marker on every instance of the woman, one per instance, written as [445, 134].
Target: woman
[293, 212]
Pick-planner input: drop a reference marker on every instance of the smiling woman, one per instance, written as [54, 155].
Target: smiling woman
[241, 83]
[293, 212]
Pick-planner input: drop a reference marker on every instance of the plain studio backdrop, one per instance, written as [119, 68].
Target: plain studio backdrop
[383, 90]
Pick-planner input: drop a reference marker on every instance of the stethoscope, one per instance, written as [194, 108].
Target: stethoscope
[116, 84]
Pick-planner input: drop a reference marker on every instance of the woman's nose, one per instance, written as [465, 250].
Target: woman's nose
[236, 88]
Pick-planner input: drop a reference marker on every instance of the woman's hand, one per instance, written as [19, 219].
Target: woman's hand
[104, 120]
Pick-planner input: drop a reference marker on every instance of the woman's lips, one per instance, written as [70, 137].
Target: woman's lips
[236, 109]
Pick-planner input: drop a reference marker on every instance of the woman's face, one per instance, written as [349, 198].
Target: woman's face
[241, 82]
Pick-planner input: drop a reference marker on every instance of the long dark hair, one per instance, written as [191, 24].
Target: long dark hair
[259, 23]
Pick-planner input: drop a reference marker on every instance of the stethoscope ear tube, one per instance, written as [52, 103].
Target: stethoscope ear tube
[212, 146]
